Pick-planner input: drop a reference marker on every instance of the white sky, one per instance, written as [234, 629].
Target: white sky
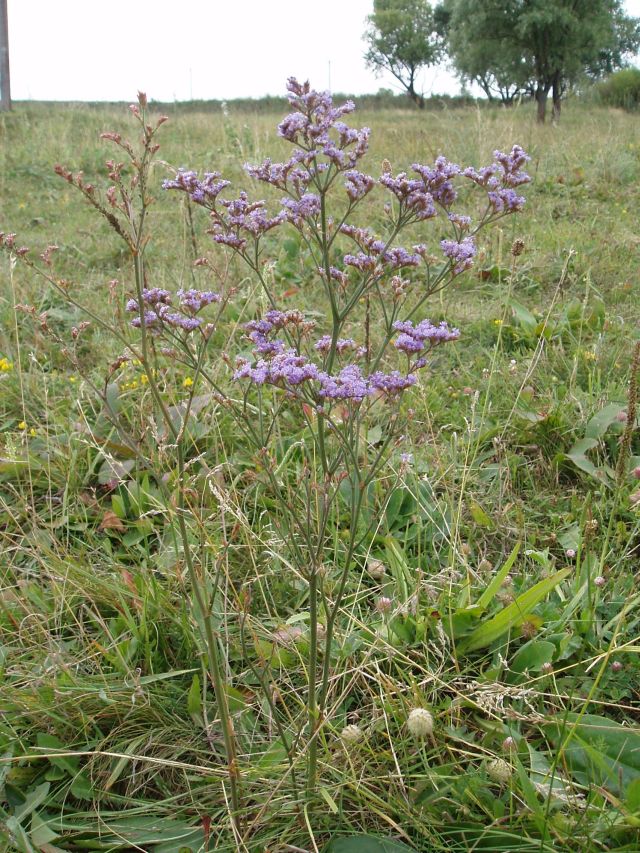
[182, 49]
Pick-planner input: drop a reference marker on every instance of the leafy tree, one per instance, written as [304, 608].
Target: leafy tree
[537, 46]
[403, 37]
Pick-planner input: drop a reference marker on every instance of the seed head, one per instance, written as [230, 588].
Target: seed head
[508, 744]
[351, 735]
[420, 722]
[499, 771]
[517, 248]
[376, 569]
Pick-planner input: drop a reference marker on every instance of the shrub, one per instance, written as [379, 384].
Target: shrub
[621, 89]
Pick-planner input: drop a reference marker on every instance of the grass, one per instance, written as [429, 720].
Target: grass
[109, 733]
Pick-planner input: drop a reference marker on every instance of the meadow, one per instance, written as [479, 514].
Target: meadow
[494, 583]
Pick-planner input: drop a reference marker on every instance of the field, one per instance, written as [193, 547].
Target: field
[504, 519]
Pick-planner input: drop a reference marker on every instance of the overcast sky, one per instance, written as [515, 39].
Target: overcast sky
[183, 49]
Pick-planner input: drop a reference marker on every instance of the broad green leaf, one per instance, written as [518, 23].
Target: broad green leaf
[532, 656]
[41, 832]
[367, 844]
[33, 799]
[578, 455]
[512, 615]
[523, 317]
[480, 516]
[600, 423]
[632, 796]
[598, 751]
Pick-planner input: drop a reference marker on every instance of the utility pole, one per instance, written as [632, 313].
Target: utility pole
[5, 80]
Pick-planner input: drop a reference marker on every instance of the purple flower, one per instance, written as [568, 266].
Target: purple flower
[437, 180]
[202, 191]
[285, 368]
[151, 320]
[415, 339]
[461, 254]
[506, 200]
[195, 300]
[362, 262]
[343, 345]
[411, 194]
[458, 219]
[308, 207]
[399, 257]
[358, 184]
[349, 384]
[511, 165]
[391, 383]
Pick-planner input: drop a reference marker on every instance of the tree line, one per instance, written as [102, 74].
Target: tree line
[510, 48]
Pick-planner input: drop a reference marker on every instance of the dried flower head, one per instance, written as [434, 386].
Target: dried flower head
[350, 735]
[420, 722]
[376, 569]
[499, 771]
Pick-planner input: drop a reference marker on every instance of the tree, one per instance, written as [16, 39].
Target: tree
[538, 46]
[403, 37]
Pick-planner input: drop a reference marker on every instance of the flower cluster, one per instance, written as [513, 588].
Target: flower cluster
[259, 331]
[324, 147]
[413, 339]
[375, 254]
[460, 253]
[287, 368]
[501, 177]
[202, 191]
[157, 311]
[241, 220]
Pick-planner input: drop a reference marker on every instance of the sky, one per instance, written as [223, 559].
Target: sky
[183, 49]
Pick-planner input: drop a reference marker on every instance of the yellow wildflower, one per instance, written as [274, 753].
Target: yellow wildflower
[22, 425]
[5, 364]
[188, 382]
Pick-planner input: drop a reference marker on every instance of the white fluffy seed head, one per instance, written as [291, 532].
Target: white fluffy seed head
[376, 569]
[499, 771]
[420, 722]
[351, 735]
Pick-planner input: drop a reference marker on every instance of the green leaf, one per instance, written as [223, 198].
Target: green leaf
[480, 516]
[194, 697]
[632, 796]
[34, 799]
[598, 751]
[487, 596]
[532, 656]
[578, 455]
[367, 844]
[512, 615]
[41, 832]
[600, 423]
[523, 317]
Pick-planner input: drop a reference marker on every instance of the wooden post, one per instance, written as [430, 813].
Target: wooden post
[5, 80]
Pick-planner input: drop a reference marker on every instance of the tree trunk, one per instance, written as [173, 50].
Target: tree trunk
[557, 97]
[417, 99]
[542, 93]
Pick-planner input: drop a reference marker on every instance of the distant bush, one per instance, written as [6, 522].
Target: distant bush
[621, 89]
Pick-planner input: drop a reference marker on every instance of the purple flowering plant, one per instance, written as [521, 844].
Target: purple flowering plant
[334, 375]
